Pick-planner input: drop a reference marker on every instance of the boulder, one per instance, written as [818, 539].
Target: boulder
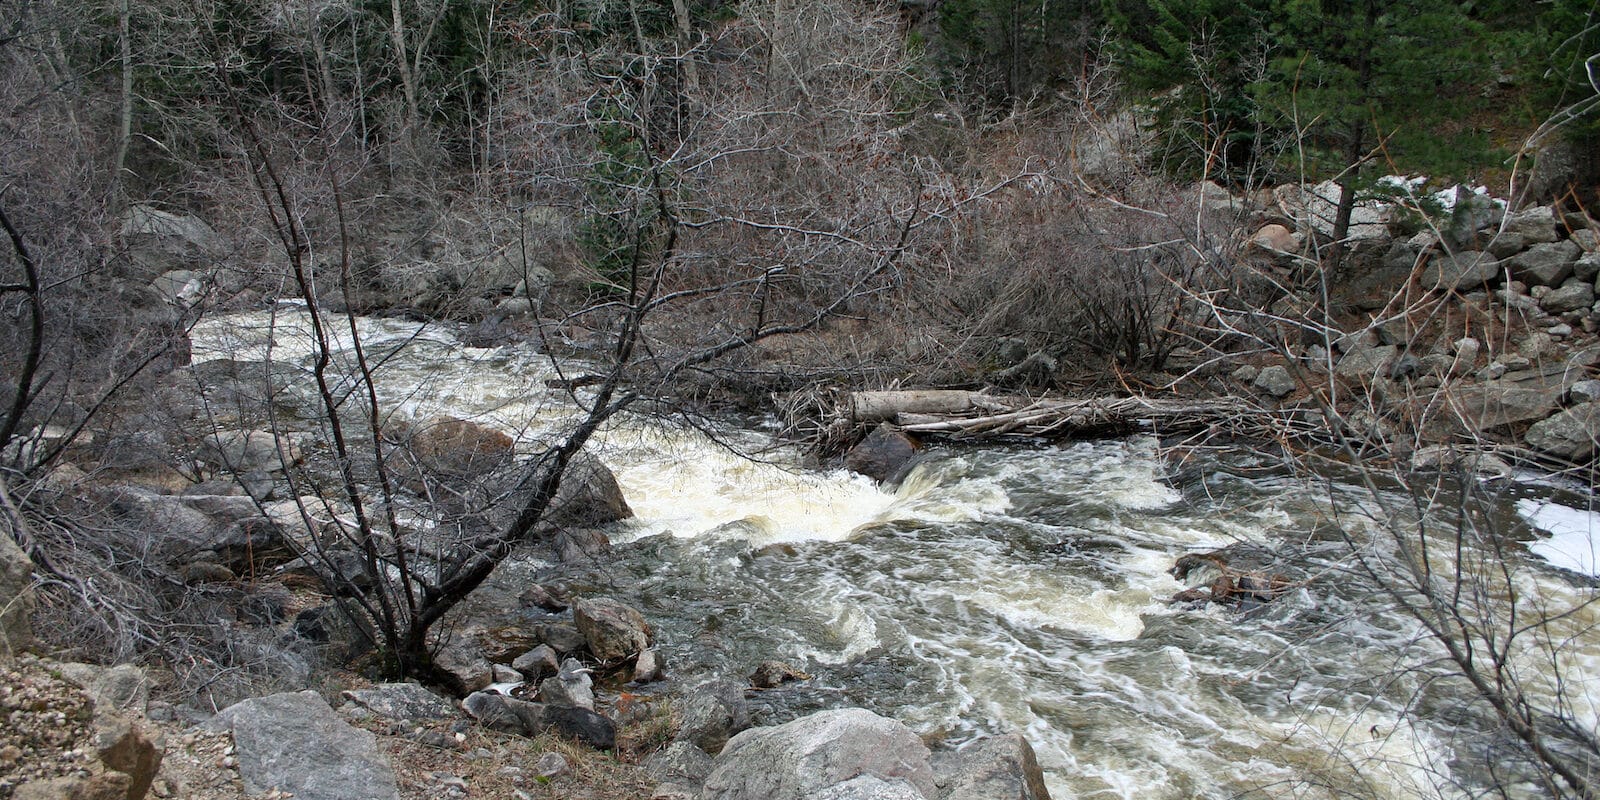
[16, 597]
[1512, 399]
[1217, 200]
[1573, 295]
[1461, 272]
[296, 743]
[1535, 225]
[449, 447]
[403, 702]
[994, 768]
[124, 688]
[511, 715]
[464, 662]
[159, 241]
[711, 713]
[870, 787]
[570, 687]
[799, 759]
[1548, 264]
[1442, 457]
[122, 746]
[589, 496]
[679, 763]
[561, 637]
[581, 544]
[247, 451]
[883, 454]
[1570, 434]
[1365, 364]
[1584, 392]
[614, 631]
[1470, 213]
[104, 786]
[1275, 380]
[537, 664]
[229, 527]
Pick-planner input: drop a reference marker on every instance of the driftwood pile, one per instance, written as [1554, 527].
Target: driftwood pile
[958, 414]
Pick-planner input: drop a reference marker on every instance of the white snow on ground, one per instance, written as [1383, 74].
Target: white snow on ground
[1572, 543]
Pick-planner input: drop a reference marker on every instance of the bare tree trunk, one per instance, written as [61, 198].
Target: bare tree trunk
[408, 83]
[125, 113]
[680, 12]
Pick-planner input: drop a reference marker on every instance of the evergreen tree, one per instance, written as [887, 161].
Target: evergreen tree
[1354, 83]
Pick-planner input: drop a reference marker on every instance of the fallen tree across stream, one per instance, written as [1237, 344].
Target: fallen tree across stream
[959, 414]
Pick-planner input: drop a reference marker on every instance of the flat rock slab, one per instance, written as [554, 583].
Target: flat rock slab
[406, 702]
[295, 742]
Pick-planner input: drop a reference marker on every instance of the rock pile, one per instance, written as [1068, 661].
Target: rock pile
[1482, 323]
[847, 754]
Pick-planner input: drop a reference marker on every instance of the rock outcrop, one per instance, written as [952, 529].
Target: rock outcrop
[296, 743]
[801, 759]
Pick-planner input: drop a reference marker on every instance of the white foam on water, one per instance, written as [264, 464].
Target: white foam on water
[1573, 543]
[680, 482]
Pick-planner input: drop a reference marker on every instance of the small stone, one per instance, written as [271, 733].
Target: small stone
[1584, 392]
[649, 666]
[551, 765]
[770, 674]
[1275, 380]
[1560, 331]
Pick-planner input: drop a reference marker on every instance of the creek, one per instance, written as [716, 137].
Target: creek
[1022, 588]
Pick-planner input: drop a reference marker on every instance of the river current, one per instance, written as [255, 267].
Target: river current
[1011, 589]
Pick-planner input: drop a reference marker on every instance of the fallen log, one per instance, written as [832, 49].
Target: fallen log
[961, 414]
[870, 407]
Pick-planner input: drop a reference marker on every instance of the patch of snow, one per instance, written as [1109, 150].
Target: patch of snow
[1572, 544]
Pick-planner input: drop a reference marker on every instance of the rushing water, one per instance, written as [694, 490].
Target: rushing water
[1006, 589]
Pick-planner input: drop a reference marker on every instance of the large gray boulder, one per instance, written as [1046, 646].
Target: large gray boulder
[1517, 397]
[1547, 264]
[1569, 434]
[227, 526]
[803, 759]
[614, 630]
[1535, 225]
[588, 497]
[296, 743]
[1461, 272]
[159, 241]
[16, 597]
[1574, 295]
[870, 787]
[995, 768]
